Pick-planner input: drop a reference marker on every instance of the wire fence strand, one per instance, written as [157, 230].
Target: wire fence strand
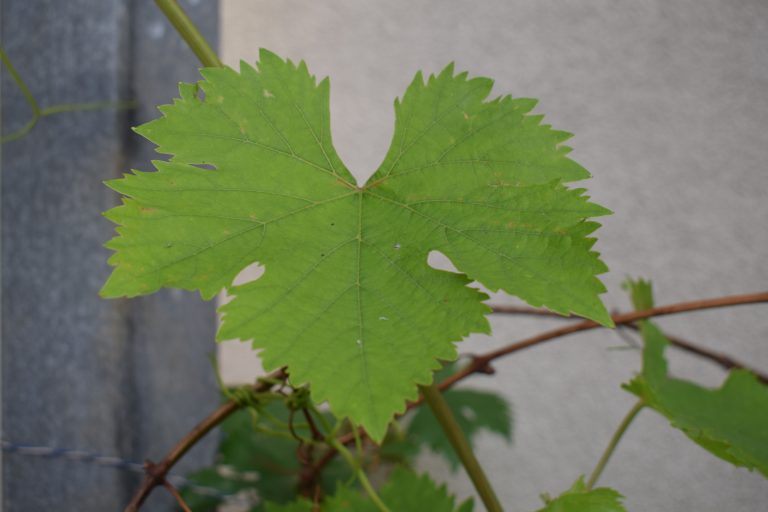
[83, 456]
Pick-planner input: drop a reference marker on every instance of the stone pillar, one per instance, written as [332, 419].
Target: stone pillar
[119, 377]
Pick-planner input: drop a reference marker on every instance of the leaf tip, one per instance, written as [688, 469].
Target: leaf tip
[640, 292]
[108, 290]
[267, 57]
[246, 68]
[418, 79]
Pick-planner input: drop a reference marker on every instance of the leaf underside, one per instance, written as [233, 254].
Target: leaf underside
[348, 301]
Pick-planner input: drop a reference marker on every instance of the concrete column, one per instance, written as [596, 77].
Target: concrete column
[120, 377]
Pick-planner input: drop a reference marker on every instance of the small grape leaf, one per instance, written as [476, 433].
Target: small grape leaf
[731, 422]
[579, 499]
[348, 301]
[404, 491]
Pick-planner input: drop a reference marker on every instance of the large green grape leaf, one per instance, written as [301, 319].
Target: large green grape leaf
[579, 499]
[731, 421]
[348, 301]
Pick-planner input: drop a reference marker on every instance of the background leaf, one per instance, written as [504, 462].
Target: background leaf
[475, 411]
[248, 459]
[731, 422]
[404, 491]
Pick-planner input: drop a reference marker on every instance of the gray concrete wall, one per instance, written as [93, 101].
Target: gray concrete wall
[669, 106]
[123, 378]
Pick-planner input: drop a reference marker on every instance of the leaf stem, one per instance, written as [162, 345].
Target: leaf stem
[22, 87]
[613, 443]
[461, 446]
[323, 422]
[38, 113]
[189, 32]
[177, 496]
[358, 441]
[361, 476]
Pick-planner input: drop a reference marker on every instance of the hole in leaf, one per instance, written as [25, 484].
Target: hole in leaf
[468, 414]
[207, 167]
[440, 261]
[250, 273]
[681, 365]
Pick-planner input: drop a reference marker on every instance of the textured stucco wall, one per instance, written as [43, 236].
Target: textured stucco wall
[669, 104]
